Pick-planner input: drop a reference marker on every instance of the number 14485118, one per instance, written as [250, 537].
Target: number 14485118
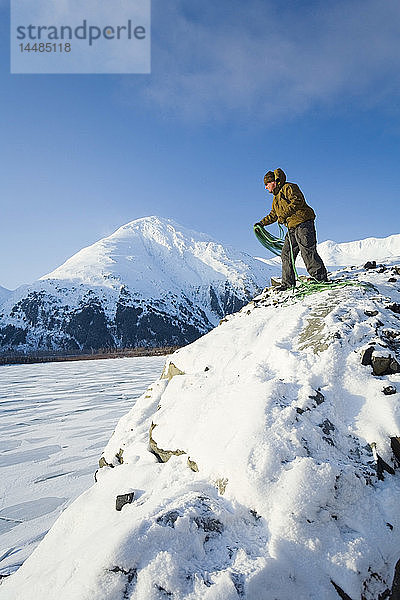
[48, 47]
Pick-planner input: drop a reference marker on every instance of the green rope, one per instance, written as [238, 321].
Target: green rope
[275, 245]
[269, 241]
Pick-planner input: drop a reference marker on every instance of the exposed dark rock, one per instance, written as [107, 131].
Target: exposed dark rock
[394, 366]
[395, 307]
[104, 463]
[395, 593]
[119, 455]
[192, 465]
[170, 371]
[366, 357]
[168, 519]
[164, 592]
[396, 269]
[395, 445]
[389, 389]
[319, 397]
[372, 579]
[163, 455]
[214, 302]
[381, 465]
[209, 524]
[221, 484]
[327, 427]
[229, 301]
[123, 499]
[255, 514]
[238, 581]
[370, 264]
[328, 440]
[385, 365]
[131, 575]
[371, 313]
[392, 337]
[392, 280]
[340, 592]
[381, 364]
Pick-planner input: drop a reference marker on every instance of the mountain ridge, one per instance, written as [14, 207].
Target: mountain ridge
[151, 282]
[355, 253]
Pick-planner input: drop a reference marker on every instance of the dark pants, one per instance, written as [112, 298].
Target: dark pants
[304, 240]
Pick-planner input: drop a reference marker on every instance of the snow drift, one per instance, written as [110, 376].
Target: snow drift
[261, 465]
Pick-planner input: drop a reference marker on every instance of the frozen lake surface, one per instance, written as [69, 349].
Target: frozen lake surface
[56, 419]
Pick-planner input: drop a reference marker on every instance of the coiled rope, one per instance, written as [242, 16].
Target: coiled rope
[275, 244]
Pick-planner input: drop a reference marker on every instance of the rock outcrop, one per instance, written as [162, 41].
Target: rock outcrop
[281, 473]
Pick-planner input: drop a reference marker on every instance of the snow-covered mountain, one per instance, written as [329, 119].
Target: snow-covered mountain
[4, 294]
[356, 253]
[263, 464]
[343, 254]
[151, 283]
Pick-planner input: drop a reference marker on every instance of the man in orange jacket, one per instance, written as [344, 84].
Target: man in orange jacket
[289, 208]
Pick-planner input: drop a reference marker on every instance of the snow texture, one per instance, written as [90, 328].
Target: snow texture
[273, 427]
[4, 294]
[55, 419]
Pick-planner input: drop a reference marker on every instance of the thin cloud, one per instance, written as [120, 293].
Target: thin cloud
[259, 60]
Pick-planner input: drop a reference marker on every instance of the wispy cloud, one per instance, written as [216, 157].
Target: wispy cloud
[271, 60]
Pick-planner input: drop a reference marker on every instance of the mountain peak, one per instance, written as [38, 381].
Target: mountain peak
[152, 282]
[359, 251]
[152, 254]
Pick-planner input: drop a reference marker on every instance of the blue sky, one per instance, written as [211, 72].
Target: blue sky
[236, 88]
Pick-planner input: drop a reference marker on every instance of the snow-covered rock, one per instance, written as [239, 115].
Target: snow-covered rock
[152, 283]
[280, 480]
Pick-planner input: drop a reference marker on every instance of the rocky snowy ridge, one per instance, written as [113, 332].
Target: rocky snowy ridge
[360, 251]
[342, 254]
[263, 464]
[151, 283]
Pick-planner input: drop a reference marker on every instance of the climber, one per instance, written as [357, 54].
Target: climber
[289, 208]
